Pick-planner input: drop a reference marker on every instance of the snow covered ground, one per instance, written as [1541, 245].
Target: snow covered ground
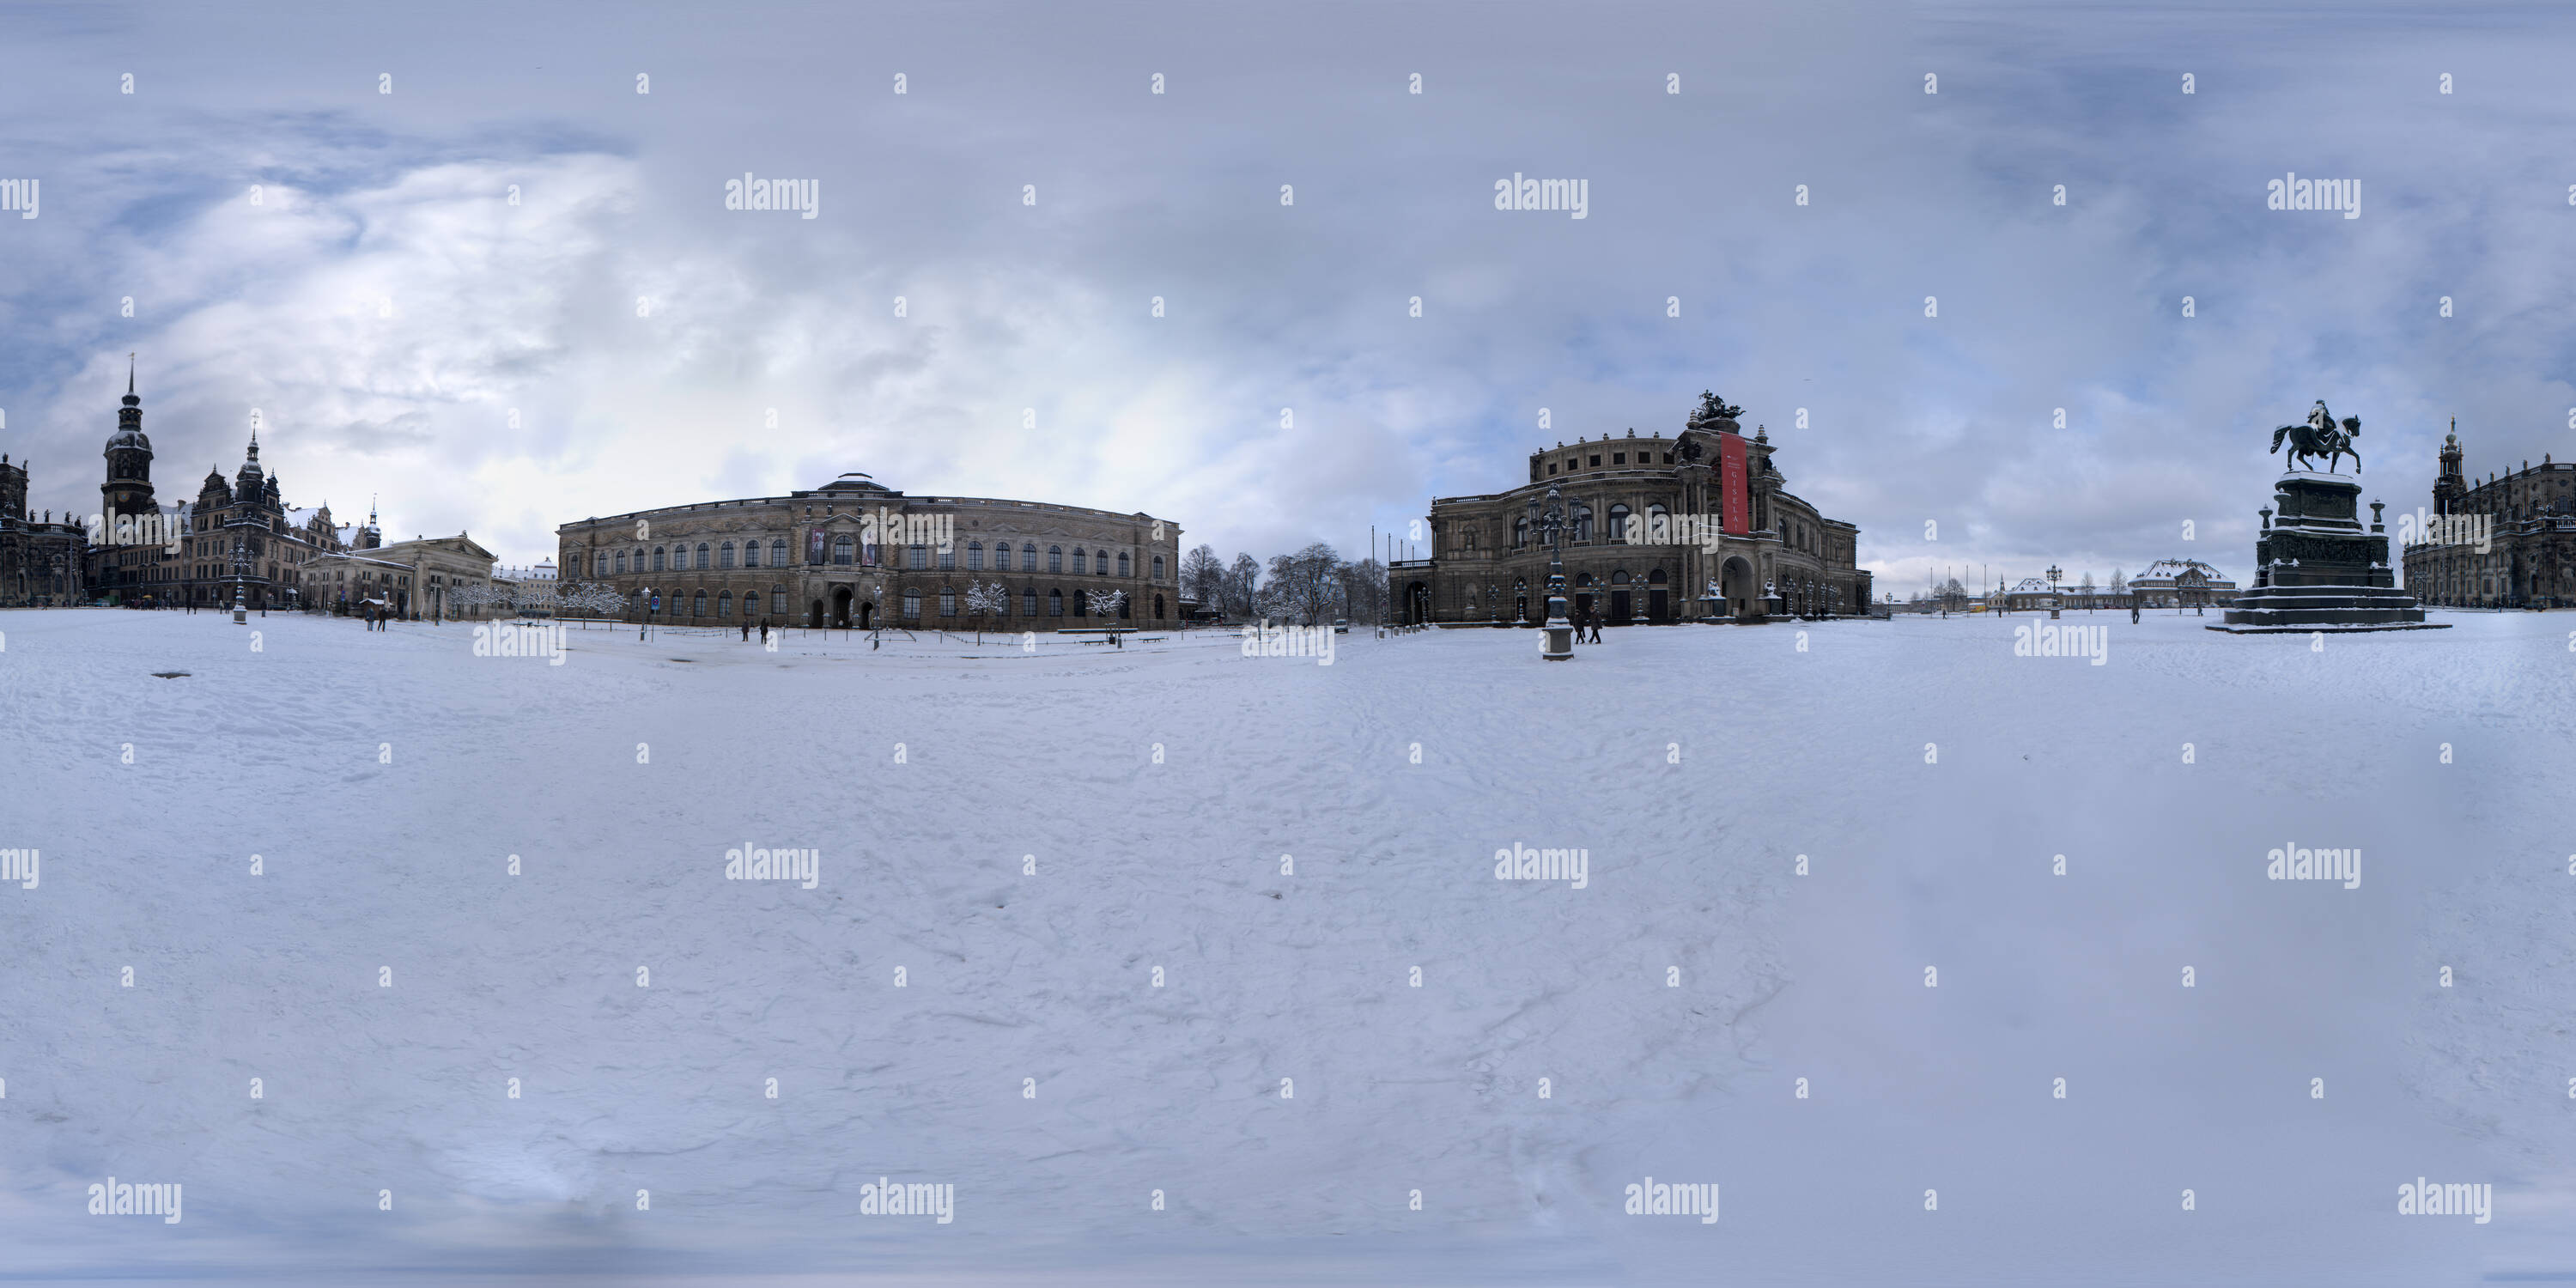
[1671, 1004]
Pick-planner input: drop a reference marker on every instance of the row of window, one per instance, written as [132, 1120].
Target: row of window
[948, 603]
[1617, 459]
[844, 550]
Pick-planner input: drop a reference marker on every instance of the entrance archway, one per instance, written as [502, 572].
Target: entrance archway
[868, 615]
[1735, 586]
[1417, 603]
[1657, 607]
[841, 607]
[814, 615]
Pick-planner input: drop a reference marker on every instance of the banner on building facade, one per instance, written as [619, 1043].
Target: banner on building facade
[813, 545]
[1736, 500]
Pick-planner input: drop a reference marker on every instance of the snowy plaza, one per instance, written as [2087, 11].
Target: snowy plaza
[1159, 953]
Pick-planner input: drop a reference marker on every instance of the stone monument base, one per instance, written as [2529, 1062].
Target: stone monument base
[2299, 610]
[2318, 569]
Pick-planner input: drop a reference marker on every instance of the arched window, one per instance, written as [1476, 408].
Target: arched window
[778, 552]
[841, 548]
[1029, 602]
[603, 564]
[621, 563]
[1122, 563]
[657, 558]
[702, 554]
[974, 555]
[1100, 563]
[698, 604]
[679, 558]
[1028, 557]
[1123, 614]
[751, 603]
[751, 553]
[1055, 603]
[1520, 533]
[1078, 564]
[1055, 559]
[911, 603]
[724, 555]
[1158, 572]
[1619, 525]
[1080, 599]
[1158, 598]
[724, 604]
[1583, 579]
[947, 602]
[1582, 523]
[1619, 578]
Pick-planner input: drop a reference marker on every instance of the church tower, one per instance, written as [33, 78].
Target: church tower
[128, 489]
[2449, 488]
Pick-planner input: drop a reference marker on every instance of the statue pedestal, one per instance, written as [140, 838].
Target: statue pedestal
[2316, 569]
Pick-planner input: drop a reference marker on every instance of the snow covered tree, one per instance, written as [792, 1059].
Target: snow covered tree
[1104, 603]
[986, 600]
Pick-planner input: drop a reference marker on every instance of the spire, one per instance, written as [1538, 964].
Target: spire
[129, 373]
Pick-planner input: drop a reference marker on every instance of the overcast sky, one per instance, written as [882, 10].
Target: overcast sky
[386, 307]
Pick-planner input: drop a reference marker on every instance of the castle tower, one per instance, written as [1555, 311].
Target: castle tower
[128, 489]
[2448, 489]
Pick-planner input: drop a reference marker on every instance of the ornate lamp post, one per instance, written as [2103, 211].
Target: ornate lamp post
[2053, 575]
[1556, 644]
[241, 572]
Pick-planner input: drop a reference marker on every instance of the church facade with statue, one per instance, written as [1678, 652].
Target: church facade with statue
[1695, 526]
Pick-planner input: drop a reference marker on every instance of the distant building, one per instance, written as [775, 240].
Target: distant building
[43, 560]
[424, 579]
[240, 533]
[1710, 511]
[2530, 522]
[857, 553]
[2182, 583]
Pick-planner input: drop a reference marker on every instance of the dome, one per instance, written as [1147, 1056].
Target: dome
[854, 482]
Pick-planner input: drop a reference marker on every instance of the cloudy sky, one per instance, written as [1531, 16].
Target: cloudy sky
[388, 308]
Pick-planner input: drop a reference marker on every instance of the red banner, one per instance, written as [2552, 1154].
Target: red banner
[1735, 501]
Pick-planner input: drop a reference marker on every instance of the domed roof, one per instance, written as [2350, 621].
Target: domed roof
[854, 482]
[251, 475]
[129, 423]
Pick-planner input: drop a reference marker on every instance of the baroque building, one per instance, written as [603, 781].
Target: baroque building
[43, 560]
[2517, 548]
[855, 553]
[1700, 526]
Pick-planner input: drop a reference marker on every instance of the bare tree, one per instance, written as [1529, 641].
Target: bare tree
[1203, 578]
[1242, 586]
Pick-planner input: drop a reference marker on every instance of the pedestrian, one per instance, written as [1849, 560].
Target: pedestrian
[746, 630]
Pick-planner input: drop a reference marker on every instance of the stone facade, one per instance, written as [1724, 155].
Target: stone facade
[1488, 567]
[2181, 583]
[43, 560]
[855, 553]
[436, 579]
[2530, 555]
[246, 518]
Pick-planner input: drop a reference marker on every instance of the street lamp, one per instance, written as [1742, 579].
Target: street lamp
[1557, 643]
[241, 571]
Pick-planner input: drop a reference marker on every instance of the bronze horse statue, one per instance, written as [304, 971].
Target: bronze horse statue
[2319, 437]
